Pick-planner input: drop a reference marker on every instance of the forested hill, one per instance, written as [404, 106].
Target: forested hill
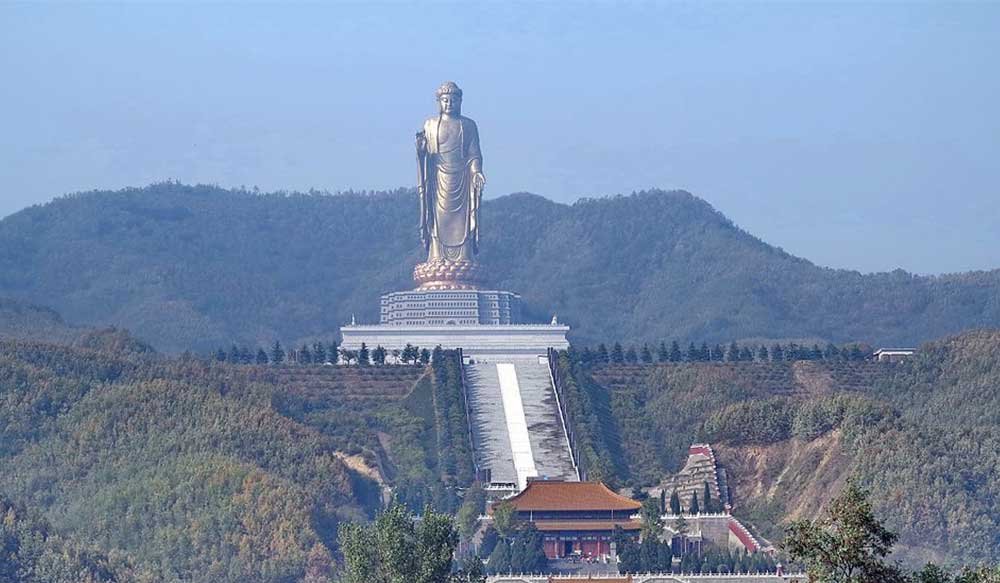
[198, 267]
[922, 435]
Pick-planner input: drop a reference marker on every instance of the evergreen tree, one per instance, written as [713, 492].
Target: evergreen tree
[675, 352]
[499, 561]
[693, 355]
[234, 354]
[662, 354]
[663, 501]
[762, 354]
[706, 497]
[410, 353]
[602, 354]
[777, 353]
[378, 355]
[220, 355]
[333, 353]
[746, 354]
[364, 355]
[586, 356]
[305, 356]
[652, 524]
[261, 356]
[734, 354]
[277, 353]
[695, 509]
[630, 356]
[527, 551]
[617, 355]
[705, 353]
[425, 356]
[646, 355]
[717, 354]
[319, 353]
[437, 354]
[675, 503]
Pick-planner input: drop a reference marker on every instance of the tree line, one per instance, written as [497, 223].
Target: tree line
[321, 353]
[734, 352]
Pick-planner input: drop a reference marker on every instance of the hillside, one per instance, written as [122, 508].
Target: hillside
[923, 435]
[199, 267]
[199, 471]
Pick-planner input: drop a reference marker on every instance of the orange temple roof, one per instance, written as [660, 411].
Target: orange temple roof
[556, 495]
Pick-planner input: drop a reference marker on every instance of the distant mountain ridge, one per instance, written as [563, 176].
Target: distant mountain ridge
[195, 267]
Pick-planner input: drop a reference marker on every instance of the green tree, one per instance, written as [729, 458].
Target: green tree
[527, 552]
[706, 498]
[652, 523]
[695, 509]
[261, 356]
[319, 353]
[693, 355]
[602, 354]
[733, 355]
[675, 352]
[499, 561]
[472, 507]
[378, 355]
[425, 356]
[617, 355]
[305, 355]
[397, 549]
[504, 519]
[675, 503]
[762, 354]
[410, 353]
[277, 353]
[630, 355]
[847, 545]
[364, 356]
[645, 354]
[662, 354]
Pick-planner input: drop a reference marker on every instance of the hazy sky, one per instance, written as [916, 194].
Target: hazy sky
[854, 135]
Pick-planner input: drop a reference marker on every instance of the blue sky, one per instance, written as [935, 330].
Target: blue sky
[855, 135]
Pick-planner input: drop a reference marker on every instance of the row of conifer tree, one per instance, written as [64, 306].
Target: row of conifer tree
[617, 354]
[320, 353]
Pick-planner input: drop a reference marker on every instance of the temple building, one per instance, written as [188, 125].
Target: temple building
[576, 518]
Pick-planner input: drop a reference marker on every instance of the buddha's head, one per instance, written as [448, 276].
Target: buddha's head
[449, 97]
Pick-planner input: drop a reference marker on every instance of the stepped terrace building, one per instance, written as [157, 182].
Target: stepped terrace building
[576, 518]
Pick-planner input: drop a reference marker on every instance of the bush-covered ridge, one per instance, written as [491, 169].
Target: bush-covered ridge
[201, 471]
[923, 435]
[198, 267]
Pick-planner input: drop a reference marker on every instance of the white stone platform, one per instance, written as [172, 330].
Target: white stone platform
[474, 340]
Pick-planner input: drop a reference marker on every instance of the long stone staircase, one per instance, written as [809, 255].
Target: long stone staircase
[517, 430]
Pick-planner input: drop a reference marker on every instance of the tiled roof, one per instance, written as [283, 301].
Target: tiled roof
[558, 495]
[585, 525]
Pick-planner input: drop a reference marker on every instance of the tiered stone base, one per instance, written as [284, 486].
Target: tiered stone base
[441, 274]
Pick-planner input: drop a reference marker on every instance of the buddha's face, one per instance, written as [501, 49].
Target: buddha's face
[450, 104]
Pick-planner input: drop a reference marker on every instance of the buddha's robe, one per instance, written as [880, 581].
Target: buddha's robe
[450, 224]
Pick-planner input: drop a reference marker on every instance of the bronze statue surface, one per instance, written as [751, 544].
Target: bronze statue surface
[450, 184]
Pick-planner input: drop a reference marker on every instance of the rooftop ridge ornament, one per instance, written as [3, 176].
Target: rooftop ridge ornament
[450, 184]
